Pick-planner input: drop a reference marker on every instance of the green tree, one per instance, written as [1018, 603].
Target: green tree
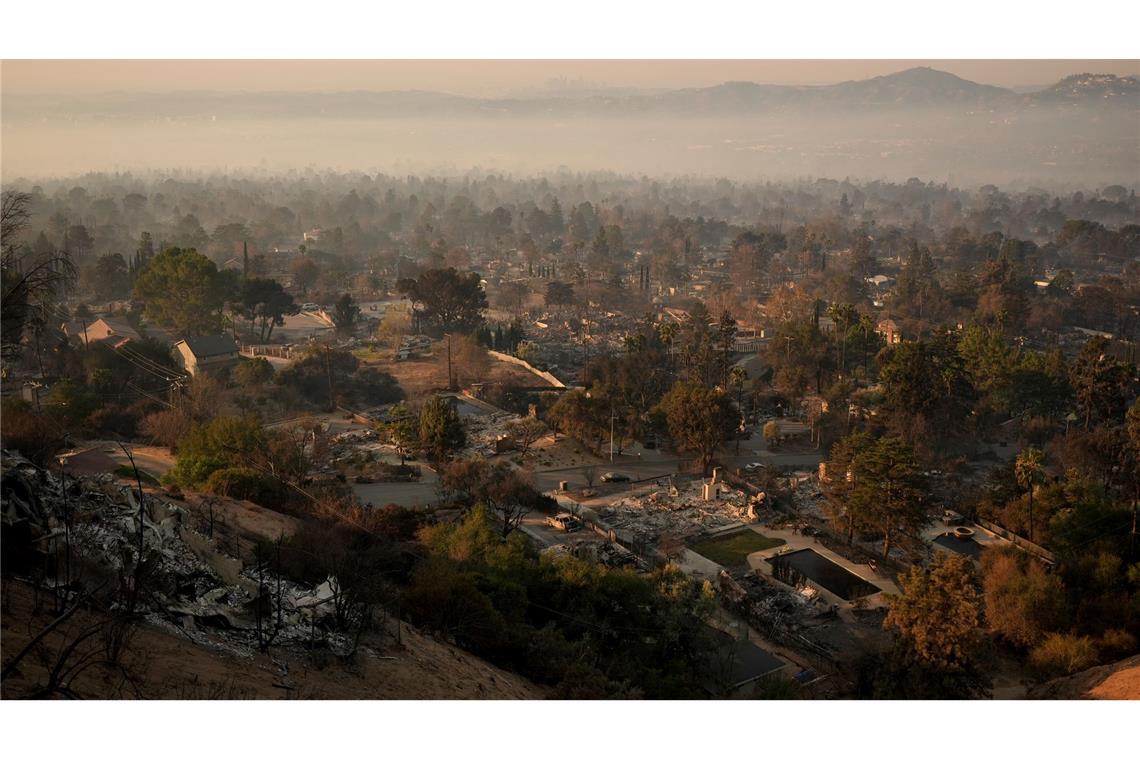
[25, 285]
[752, 254]
[403, 431]
[725, 340]
[849, 514]
[889, 488]
[939, 613]
[183, 291]
[222, 443]
[526, 432]
[936, 624]
[253, 372]
[1023, 601]
[443, 300]
[559, 294]
[345, 313]
[699, 419]
[506, 493]
[1029, 468]
[265, 303]
[772, 433]
[1100, 382]
[305, 272]
[927, 382]
[736, 380]
[844, 315]
[109, 277]
[441, 429]
[581, 415]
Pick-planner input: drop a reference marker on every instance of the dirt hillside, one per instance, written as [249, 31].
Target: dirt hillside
[160, 663]
[1120, 680]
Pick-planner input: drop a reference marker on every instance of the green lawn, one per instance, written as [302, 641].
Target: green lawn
[732, 550]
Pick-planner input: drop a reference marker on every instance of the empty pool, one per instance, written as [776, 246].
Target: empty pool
[795, 567]
[962, 545]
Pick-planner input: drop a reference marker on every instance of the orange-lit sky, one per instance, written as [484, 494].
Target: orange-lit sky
[498, 77]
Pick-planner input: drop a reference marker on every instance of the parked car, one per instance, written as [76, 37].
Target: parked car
[310, 307]
[753, 467]
[615, 477]
[565, 521]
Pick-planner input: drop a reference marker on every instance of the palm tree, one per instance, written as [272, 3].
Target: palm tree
[867, 325]
[845, 314]
[737, 379]
[1029, 470]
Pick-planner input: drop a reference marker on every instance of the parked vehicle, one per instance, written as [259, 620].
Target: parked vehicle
[565, 521]
[753, 467]
[615, 477]
[311, 307]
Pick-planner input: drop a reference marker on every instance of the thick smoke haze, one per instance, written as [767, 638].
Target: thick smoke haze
[920, 122]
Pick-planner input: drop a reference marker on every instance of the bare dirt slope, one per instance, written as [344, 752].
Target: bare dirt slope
[1120, 680]
[422, 375]
[161, 663]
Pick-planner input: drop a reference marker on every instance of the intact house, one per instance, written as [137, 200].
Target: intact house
[208, 354]
[116, 332]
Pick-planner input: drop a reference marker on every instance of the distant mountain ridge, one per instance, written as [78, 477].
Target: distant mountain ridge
[921, 87]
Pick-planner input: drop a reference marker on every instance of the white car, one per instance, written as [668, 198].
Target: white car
[311, 307]
[753, 467]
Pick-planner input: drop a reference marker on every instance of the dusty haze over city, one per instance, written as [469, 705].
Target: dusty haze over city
[962, 122]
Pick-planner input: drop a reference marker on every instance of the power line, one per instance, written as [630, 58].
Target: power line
[171, 372]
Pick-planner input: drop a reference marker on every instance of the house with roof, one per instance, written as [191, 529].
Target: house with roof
[207, 353]
[114, 330]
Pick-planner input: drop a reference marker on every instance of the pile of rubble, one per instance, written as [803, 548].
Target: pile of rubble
[808, 498]
[75, 535]
[681, 511]
[488, 434]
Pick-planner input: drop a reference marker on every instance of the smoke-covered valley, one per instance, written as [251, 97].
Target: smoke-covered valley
[918, 123]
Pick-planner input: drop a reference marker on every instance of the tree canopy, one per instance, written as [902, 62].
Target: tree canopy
[443, 300]
[183, 291]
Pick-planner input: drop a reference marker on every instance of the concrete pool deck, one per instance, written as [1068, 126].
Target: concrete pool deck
[981, 537]
[758, 561]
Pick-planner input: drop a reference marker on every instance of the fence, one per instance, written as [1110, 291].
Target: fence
[264, 349]
[1021, 543]
[554, 381]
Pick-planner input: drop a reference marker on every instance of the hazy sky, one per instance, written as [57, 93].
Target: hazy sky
[492, 78]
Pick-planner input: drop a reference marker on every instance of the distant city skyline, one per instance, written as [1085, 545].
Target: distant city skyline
[501, 77]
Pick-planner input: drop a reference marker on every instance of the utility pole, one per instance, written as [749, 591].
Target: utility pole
[611, 432]
[328, 370]
[450, 382]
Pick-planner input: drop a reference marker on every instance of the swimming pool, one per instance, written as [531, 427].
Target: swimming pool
[794, 567]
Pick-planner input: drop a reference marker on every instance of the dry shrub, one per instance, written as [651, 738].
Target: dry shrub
[32, 434]
[166, 428]
[1062, 654]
